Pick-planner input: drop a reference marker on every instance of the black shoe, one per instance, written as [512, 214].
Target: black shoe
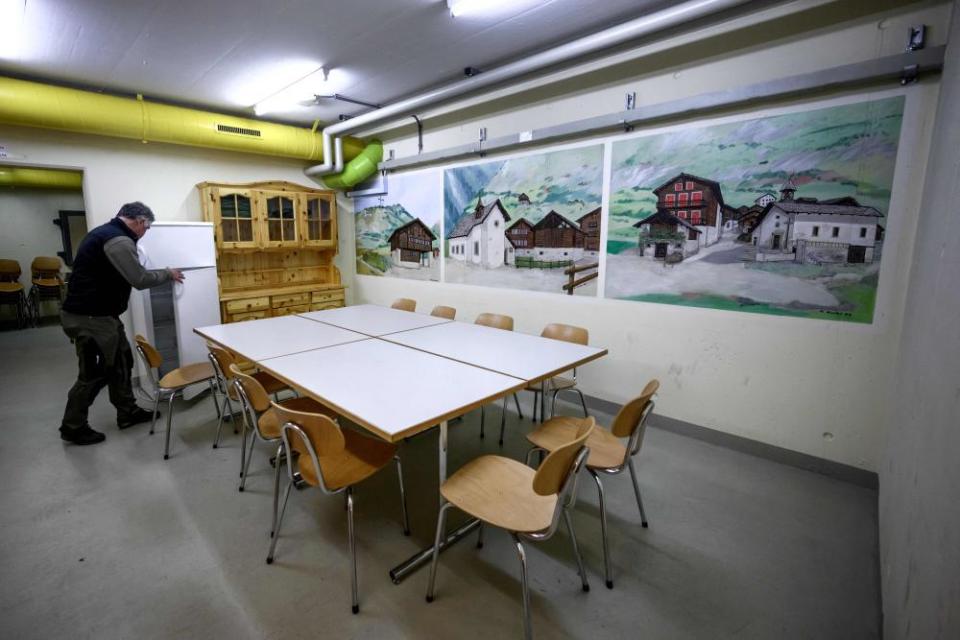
[137, 417]
[82, 436]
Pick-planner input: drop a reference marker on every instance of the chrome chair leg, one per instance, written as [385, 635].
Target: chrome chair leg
[245, 461]
[636, 490]
[353, 552]
[530, 454]
[166, 444]
[222, 414]
[276, 533]
[553, 403]
[583, 401]
[441, 520]
[403, 497]
[527, 630]
[216, 402]
[156, 406]
[576, 551]
[480, 536]
[276, 490]
[243, 446]
[603, 530]
[503, 419]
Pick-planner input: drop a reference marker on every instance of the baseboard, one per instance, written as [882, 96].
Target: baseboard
[836, 470]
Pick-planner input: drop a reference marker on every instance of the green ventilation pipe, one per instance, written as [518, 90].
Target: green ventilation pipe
[40, 178]
[32, 104]
[358, 169]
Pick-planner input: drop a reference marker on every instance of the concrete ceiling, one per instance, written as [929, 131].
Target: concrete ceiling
[228, 56]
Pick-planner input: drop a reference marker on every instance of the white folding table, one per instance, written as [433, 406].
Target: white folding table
[373, 320]
[257, 340]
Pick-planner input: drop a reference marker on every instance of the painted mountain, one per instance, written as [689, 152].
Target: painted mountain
[817, 255]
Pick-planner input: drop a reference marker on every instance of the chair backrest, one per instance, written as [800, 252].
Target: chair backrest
[311, 435]
[553, 473]
[631, 421]
[404, 304]
[152, 357]
[441, 311]
[45, 266]
[252, 391]
[566, 332]
[222, 361]
[9, 270]
[495, 320]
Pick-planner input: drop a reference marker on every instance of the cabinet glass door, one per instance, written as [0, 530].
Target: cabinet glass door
[236, 220]
[319, 228]
[281, 221]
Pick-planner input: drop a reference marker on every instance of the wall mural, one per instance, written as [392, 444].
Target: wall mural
[398, 234]
[781, 215]
[521, 223]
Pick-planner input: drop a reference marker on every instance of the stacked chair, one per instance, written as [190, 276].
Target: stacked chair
[46, 284]
[11, 291]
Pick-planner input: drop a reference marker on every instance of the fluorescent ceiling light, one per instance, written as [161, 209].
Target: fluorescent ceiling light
[11, 27]
[297, 94]
[462, 7]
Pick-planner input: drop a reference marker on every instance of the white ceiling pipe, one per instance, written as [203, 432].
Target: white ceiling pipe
[644, 25]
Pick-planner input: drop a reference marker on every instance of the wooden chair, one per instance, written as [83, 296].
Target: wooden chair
[404, 304]
[172, 383]
[11, 291]
[441, 311]
[333, 460]
[607, 453]
[567, 333]
[263, 423]
[497, 321]
[222, 363]
[46, 283]
[526, 502]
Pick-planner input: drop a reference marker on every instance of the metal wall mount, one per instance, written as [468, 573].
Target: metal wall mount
[910, 65]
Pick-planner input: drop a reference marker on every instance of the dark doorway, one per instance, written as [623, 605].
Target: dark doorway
[776, 242]
[660, 250]
[73, 227]
[856, 255]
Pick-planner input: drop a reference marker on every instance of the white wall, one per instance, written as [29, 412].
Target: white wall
[817, 387]
[920, 474]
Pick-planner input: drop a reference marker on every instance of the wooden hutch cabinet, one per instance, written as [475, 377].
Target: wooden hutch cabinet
[276, 242]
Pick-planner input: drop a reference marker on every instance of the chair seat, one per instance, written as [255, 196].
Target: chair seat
[606, 450]
[554, 383]
[500, 491]
[361, 457]
[47, 282]
[269, 383]
[269, 422]
[10, 287]
[187, 375]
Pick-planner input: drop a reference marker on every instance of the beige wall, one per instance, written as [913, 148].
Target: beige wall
[817, 387]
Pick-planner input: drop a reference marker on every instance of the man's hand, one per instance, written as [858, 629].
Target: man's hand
[176, 275]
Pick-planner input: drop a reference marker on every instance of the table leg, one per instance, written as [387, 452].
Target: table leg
[422, 557]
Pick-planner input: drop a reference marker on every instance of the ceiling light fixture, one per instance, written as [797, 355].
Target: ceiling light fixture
[294, 95]
[463, 7]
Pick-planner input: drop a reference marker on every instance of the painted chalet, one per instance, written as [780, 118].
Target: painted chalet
[807, 230]
[663, 234]
[412, 245]
[694, 200]
[478, 237]
[556, 238]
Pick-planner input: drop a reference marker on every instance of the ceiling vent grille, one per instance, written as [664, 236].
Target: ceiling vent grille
[240, 131]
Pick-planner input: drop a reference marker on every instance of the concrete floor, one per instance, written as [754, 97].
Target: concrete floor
[111, 541]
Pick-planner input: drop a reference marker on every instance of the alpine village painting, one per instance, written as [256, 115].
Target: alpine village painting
[398, 234]
[782, 215]
[531, 222]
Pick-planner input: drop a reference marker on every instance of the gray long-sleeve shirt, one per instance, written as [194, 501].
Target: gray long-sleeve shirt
[122, 254]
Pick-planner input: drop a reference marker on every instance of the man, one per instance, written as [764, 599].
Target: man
[105, 268]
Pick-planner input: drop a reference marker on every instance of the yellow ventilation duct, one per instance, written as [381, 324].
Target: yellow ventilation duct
[32, 104]
[40, 178]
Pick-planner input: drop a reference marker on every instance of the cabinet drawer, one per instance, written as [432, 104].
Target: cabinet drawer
[253, 315]
[248, 304]
[328, 296]
[289, 299]
[322, 306]
[286, 311]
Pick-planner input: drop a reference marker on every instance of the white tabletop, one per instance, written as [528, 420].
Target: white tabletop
[520, 355]
[373, 320]
[271, 337]
[389, 389]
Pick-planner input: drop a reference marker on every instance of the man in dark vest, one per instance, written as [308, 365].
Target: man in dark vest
[104, 270]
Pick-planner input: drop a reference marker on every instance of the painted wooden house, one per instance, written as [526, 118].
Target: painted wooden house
[695, 200]
[479, 238]
[590, 226]
[663, 234]
[412, 245]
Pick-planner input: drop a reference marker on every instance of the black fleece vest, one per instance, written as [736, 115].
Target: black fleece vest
[96, 288]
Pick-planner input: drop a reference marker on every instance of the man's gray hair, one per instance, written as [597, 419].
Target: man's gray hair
[134, 210]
